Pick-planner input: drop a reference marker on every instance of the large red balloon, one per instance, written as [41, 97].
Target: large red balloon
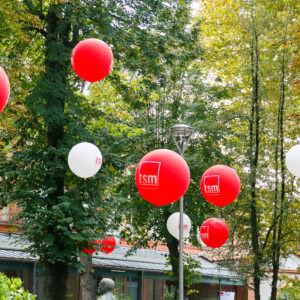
[4, 89]
[162, 177]
[108, 244]
[92, 60]
[214, 233]
[220, 185]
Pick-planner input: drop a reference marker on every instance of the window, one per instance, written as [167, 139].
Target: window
[4, 214]
[133, 288]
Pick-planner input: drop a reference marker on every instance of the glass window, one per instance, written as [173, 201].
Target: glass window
[158, 289]
[132, 288]
[119, 287]
[148, 289]
[24, 275]
[4, 214]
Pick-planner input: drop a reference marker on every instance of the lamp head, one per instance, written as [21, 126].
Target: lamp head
[181, 135]
[181, 130]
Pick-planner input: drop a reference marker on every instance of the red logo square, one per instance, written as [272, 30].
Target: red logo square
[212, 184]
[204, 233]
[149, 174]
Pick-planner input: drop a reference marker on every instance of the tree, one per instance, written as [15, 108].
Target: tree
[291, 290]
[245, 40]
[34, 170]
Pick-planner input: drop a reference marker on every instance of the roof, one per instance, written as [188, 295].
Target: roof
[155, 260]
[223, 254]
[149, 260]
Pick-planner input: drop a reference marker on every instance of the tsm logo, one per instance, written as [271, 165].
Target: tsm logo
[204, 233]
[185, 226]
[149, 174]
[212, 184]
[98, 161]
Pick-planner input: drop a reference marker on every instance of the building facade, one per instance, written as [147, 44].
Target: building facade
[140, 276]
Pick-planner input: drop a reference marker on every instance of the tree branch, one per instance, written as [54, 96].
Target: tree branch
[284, 242]
[75, 37]
[287, 233]
[268, 233]
[41, 15]
[39, 30]
[33, 10]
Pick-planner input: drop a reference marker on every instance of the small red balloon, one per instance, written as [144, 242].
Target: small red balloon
[220, 185]
[162, 177]
[4, 89]
[214, 233]
[91, 249]
[92, 60]
[109, 244]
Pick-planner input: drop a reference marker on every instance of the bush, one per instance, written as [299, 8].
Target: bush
[11, 289]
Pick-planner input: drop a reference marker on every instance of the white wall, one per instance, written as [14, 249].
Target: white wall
[291, 263]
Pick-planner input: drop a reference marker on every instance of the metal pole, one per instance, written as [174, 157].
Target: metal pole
[181, 287]
[181, 146]
[181, 269]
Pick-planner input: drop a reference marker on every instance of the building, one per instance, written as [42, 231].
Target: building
[288, 266]
[140, 275]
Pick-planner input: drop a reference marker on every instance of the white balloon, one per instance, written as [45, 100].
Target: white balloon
[292, 160]
[117, 240]
[173, 225]
[85, 160]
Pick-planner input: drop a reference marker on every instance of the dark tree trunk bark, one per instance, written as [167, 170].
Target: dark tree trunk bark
[87, 282]
[174, 258]
[277, 234]
[56, 45]
[55, 284]
[254, 135]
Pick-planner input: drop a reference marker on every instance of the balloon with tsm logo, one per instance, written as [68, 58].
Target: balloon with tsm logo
[214, 233]
[292, 160]
[85, 160]
[4, 89]
[220, 185]
[173, 224]
[162, 177]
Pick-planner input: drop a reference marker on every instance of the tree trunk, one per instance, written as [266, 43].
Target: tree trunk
[87, 282]
[277, 235]
[56, 44]
[254, 132]
[174, 258]
[55, 284]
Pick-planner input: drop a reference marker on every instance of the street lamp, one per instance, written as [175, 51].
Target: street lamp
[181, 135]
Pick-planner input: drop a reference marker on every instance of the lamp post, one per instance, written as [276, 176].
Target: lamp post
[181, 135]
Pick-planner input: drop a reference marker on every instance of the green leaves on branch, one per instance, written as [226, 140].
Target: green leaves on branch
[11, 288]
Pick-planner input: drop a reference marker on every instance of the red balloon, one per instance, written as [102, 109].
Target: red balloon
[4, 89]
[91, 249]
[220, 185]
[162, 177]
[109, 244]
[214, 233]
[92, 60]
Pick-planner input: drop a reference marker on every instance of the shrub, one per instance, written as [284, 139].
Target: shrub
[11, 289]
